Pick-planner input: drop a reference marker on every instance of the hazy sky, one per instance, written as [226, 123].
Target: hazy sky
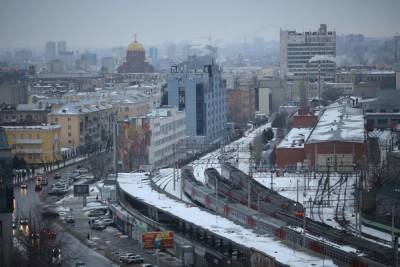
[104, 23]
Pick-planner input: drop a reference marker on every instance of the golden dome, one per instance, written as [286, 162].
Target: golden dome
[136, 46]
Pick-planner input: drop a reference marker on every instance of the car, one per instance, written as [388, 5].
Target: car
[70, 219]
[80, 264]
[14, 225]
[83, 170]
[133, 259]
[126, 254]
[23, 221]
[38, 187]
[147, 265]
[98, 226]
[96, 213]
[57, 176]
[24, 186]
[44, 181]
[48, 233]
[56, 256]
[48, 213]
[106, 222]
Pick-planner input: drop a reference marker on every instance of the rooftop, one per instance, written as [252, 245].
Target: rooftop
[339, 122]
[295, 138]
[81, 108]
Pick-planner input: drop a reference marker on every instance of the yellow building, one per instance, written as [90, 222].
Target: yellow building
[36, 144]
[85, 126]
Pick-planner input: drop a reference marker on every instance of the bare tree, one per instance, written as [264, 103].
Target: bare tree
[99, 166]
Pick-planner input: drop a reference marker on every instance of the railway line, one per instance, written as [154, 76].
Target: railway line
[286, 214]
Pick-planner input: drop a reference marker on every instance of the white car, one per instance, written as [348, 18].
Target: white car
[24, 186]
[106, 221]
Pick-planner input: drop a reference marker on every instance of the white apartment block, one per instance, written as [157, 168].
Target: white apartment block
[308, 53]
[168, 136]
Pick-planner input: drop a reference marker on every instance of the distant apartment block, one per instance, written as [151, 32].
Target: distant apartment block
[308, 53]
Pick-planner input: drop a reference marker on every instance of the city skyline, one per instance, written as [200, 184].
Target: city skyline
[114, 24]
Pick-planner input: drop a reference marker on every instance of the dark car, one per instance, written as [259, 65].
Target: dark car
[57, 176]
[38, 187]
[23, 221]
[47, 213]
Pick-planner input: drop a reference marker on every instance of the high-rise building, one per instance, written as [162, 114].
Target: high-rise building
[51, 50]
[153, 53]
[197, 87]
[61, 47]
[89, 58]
[397, 49]
[308, 53]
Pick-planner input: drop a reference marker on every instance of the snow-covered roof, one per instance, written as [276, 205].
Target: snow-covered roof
[339, 122]
[81, 108]
[295, 138]
[137, 185]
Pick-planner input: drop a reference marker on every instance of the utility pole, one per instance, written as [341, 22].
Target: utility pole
[249, 193]
[304, 226]
[272, 180]
[297, 189]
[216, 199]
[174, 163]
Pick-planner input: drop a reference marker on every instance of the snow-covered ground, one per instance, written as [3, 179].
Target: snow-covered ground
[137, 185]
[238, 151]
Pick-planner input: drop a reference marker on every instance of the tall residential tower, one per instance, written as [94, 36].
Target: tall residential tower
[308, 53]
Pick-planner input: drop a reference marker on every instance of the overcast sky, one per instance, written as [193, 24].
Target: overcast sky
[104, 23]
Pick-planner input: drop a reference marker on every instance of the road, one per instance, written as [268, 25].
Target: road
[28, 202]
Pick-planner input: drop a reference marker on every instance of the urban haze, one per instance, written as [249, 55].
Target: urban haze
[199, 133]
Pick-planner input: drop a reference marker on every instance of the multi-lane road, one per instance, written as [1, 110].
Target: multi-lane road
[28, 202]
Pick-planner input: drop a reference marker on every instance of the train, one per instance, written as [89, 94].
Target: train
[265, 195]
[221, 203]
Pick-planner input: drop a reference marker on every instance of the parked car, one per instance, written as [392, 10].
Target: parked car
[147, 265]
[96, 213]
[133, 259]
[24, 186]
[106, 221]
[80, 264]
[57, 176]
[98, 226]
[70, 219]
[56, 256]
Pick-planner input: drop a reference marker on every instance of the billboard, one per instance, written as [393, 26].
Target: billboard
[158, 240]
[81, 190]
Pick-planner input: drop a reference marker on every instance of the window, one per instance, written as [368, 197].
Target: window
[56, 119]
[396, 110]
[126, 109]
[69, 118]
[382, 110]
[382, 121]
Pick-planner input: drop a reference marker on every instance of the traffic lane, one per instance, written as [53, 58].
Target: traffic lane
[28, 201]
[76, 251]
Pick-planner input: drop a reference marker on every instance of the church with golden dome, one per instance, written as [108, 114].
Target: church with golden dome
[135, 60]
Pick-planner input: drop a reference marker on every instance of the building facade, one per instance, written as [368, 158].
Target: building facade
[85, 126]
[27, 114]
[240, 101]
[197, 87]
[36, 144]
[13, 94]
[152, 141]
[308, 53]
[383, 112]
